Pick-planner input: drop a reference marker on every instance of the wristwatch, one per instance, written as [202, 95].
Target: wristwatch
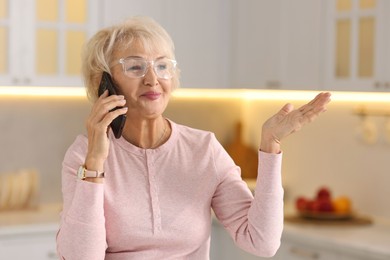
[83, 173]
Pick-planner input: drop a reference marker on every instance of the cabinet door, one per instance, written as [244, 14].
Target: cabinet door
[301, 44]
[278, 44]
[356, 45]
[223, 246]
[256, 44]
[56, 39]
[43, 40]
[8, 28]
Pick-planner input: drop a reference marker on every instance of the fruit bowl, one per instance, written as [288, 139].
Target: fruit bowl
[325, 215]
[323, 206]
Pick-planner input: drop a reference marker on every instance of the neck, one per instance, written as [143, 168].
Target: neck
[147, 134]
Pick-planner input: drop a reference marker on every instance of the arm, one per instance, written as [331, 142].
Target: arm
[82, 233]
[254, 224]
[82, 229]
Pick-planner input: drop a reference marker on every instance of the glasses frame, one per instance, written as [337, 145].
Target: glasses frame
[150, 63]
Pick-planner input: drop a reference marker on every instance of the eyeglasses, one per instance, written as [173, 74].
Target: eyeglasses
[135, 67]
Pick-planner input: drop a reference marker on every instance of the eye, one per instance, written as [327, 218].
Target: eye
[162, 66]
[134, 68]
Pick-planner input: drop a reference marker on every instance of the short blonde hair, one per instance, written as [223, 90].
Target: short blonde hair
[99, 50]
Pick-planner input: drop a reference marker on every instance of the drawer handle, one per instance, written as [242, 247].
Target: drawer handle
[304, 253]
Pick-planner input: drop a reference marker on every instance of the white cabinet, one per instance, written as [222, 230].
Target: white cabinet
[293, 250]
[223, 247]
[41, 40]
[35, 246]
[201, 31]
[235, 44]
[307, 243]
[358, 52]
[278, 44]
[300, 248]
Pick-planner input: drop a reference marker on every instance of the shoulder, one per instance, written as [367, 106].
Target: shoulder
[193, 135]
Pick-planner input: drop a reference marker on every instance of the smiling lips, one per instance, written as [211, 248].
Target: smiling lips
[151, 95]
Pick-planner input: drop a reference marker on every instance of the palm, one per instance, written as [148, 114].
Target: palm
[288, 120]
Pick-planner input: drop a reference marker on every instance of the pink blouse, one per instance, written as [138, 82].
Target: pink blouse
[156, 203]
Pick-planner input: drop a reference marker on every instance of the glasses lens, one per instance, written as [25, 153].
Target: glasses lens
[134, 68]
[137, 67]
[164, 68]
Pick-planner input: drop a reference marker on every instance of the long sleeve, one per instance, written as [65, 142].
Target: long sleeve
[255, 224]
[82, 232]
[155, 203]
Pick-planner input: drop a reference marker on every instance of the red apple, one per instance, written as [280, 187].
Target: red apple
[313, 205]
[301, 203]
[323, 193]
[325, 205]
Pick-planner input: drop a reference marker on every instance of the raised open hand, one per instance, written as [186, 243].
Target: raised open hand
[288, 121]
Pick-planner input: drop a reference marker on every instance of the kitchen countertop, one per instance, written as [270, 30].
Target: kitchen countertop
[43, 218]
[364, 240]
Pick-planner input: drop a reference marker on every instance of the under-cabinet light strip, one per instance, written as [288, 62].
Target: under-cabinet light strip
[245, 94]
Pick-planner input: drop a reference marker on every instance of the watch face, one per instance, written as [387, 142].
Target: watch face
[80, 173]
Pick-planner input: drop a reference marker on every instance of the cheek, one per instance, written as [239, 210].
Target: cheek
[166, 86]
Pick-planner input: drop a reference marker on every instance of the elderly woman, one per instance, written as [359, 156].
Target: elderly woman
[149, 193]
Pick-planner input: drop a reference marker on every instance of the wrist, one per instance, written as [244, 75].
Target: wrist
[271, 146]
[94, 164]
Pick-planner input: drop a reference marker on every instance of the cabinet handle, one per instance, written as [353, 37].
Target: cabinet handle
[304, 253]
[27, 81]
[52, 255]
[15, 81]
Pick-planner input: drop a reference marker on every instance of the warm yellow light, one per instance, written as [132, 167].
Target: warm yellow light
[282, 95]
[43, 91]
[361, 96]
[244, 94]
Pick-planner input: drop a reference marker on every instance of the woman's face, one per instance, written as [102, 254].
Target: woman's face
[148, 96]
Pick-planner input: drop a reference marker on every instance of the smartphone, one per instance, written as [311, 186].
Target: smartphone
[118, 123]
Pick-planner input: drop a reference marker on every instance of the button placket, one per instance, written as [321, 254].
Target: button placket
[153, 192]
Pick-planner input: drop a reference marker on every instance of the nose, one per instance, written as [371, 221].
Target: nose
[150, 78]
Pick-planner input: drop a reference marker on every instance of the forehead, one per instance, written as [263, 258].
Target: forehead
[145, 49]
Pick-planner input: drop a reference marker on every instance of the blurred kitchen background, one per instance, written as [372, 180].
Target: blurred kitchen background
[240, 61]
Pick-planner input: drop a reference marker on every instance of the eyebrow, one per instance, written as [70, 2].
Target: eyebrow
[139, 57]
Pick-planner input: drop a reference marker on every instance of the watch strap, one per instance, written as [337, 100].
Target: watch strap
[83, 173]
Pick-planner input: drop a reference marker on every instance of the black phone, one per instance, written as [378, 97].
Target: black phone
[118, 123]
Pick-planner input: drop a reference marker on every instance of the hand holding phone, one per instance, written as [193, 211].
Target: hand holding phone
[118, 123]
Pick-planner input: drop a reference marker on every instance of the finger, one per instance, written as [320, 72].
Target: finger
[318, 103]
[109, 117]
[104, 95]
[108, 104]
[102, 108]
[321, 99]
[287, 108]
[101, 126]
